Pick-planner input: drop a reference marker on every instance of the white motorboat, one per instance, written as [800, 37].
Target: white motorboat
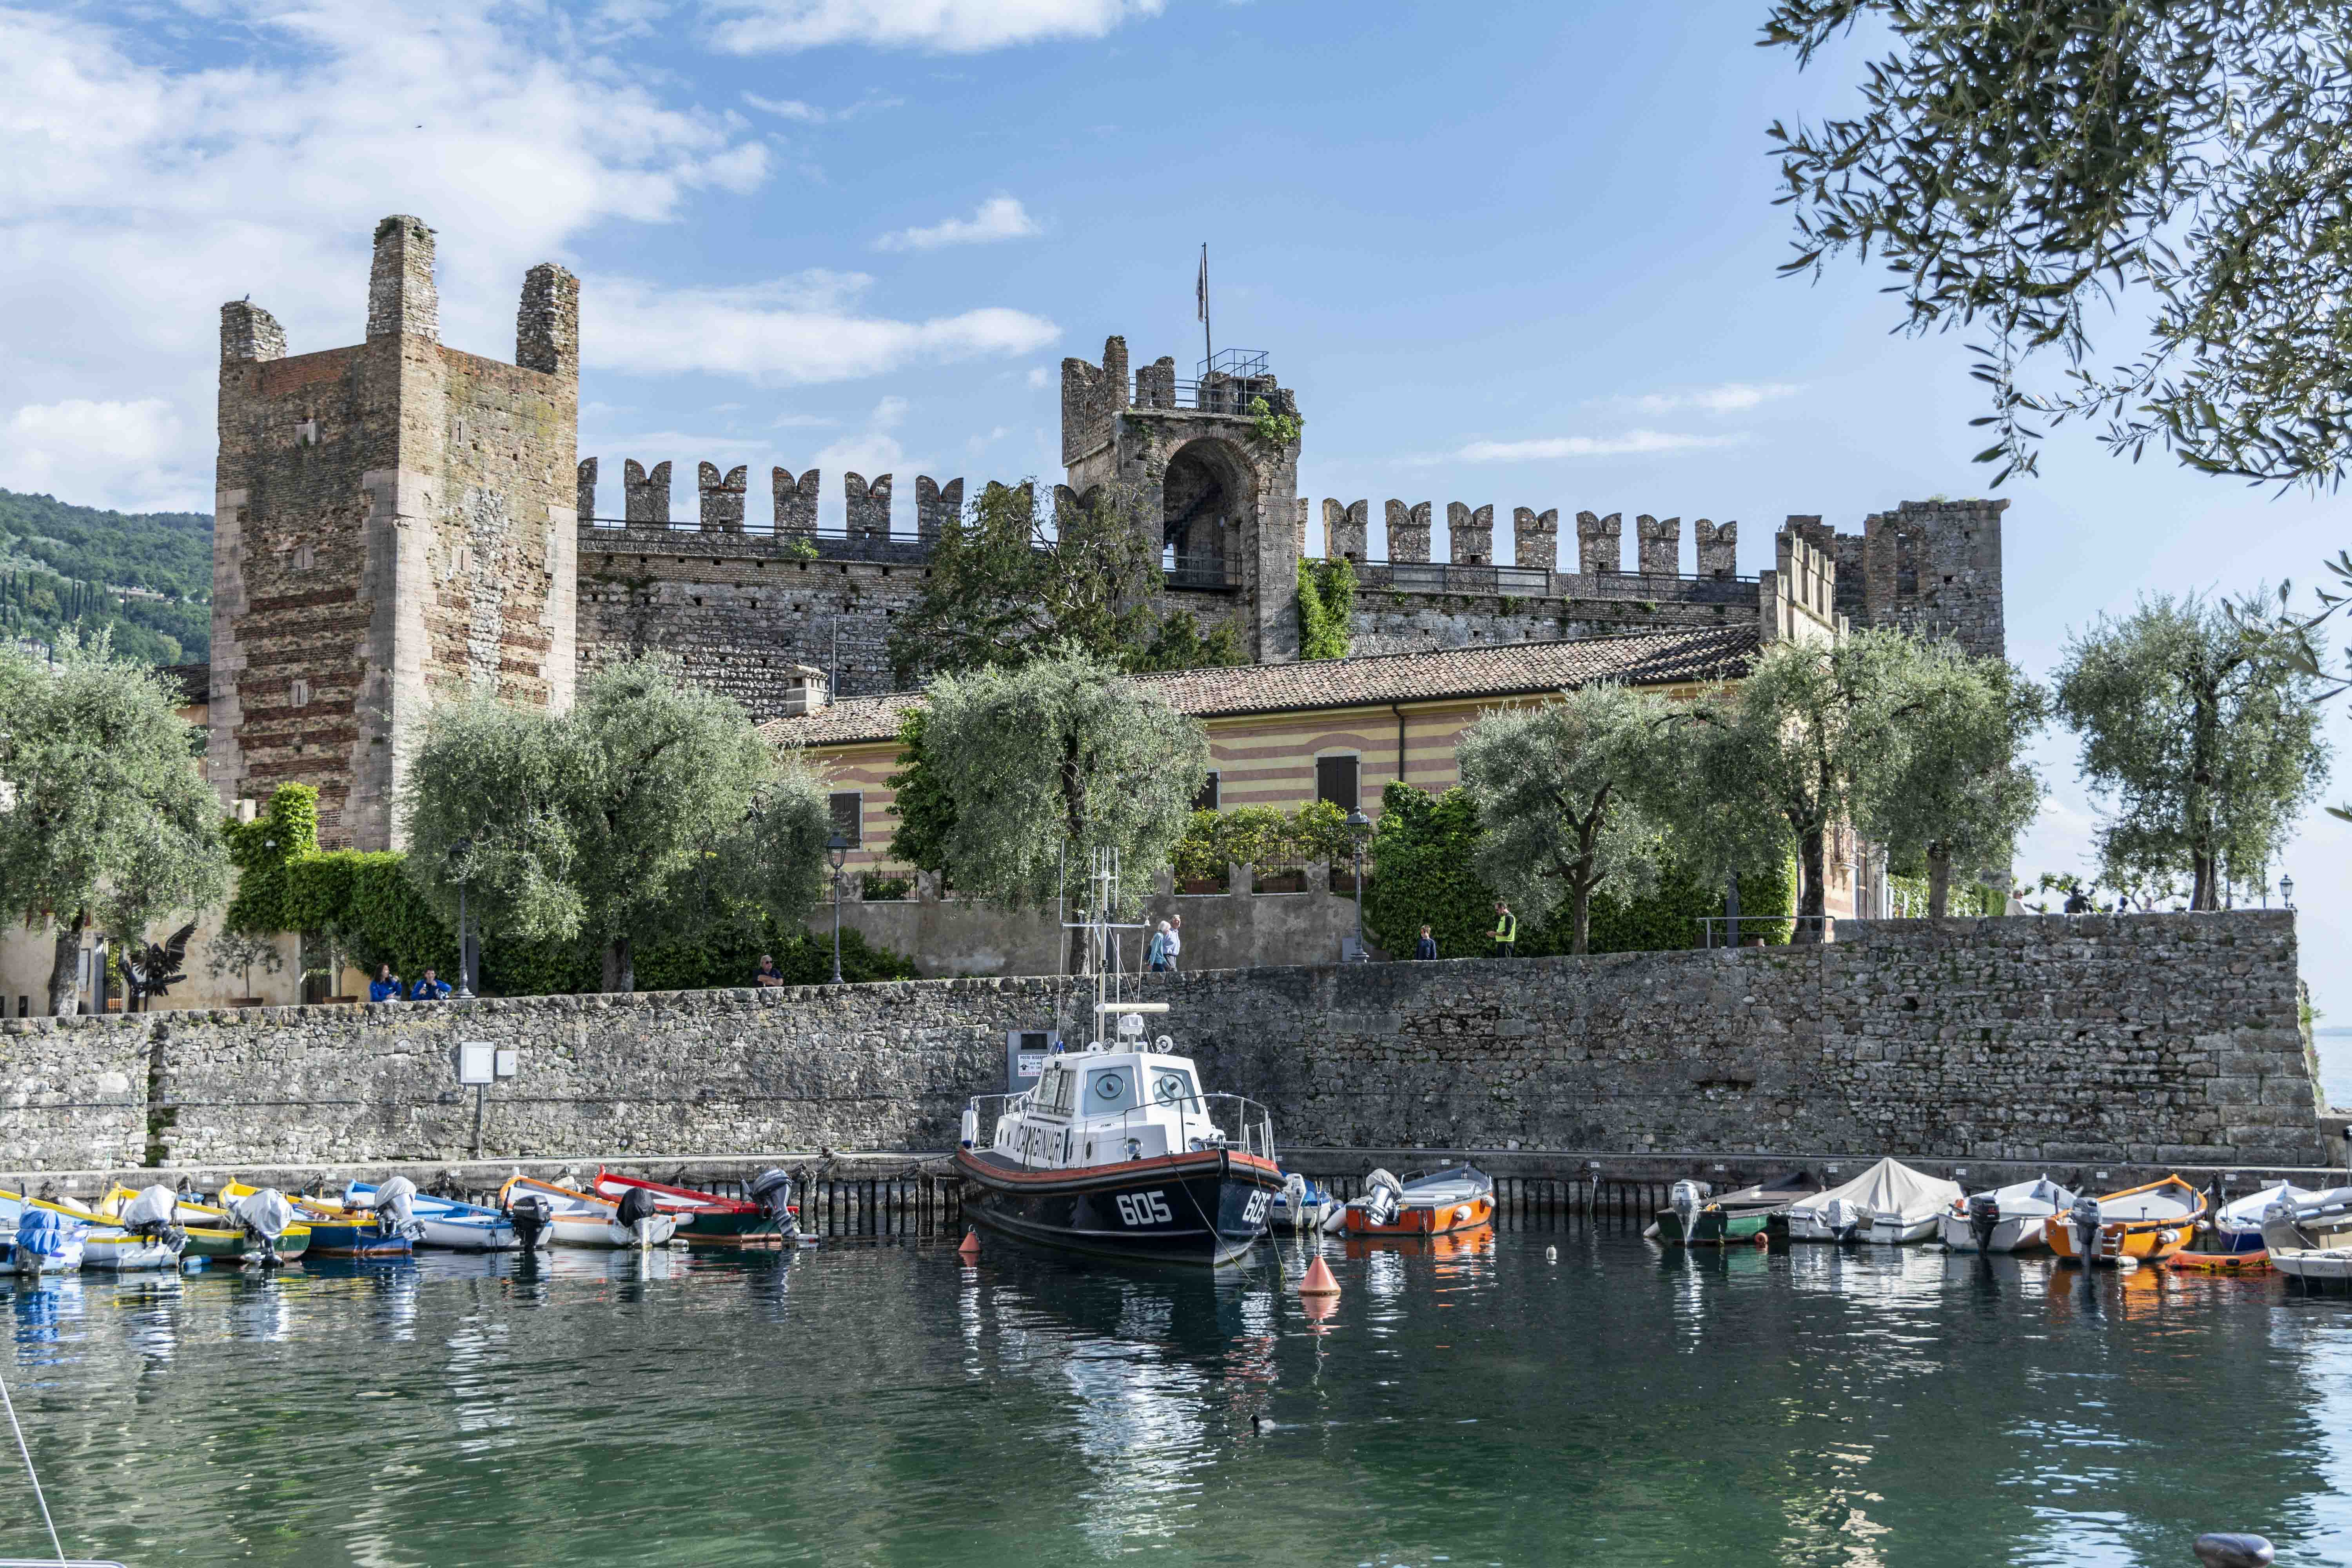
[2238, 1224]
[146, 1235]
[2312, 1241]
[570, 1217]
[2006, 1220]
[446, 1222]
[1890, 1202]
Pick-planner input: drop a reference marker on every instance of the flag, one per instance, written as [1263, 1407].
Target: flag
[1201, 293]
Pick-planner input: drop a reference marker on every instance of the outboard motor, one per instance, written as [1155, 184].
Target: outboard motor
[2084, 1218]
[1984, 1218]
[636, 1215]
[395, 1212]
[1844, 1220]
[1686, 1200]
[155, 1214]
[773, 1191]
[531, 1215]
[1383, 1198]
[266, 1215]
[1293, 1199]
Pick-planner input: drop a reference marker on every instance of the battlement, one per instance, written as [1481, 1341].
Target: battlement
[722, 502]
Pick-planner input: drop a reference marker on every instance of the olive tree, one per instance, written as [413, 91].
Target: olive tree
[2034, 170]
[2199, 734]
[647, 813]
[1050, 761]
[1562, 790]
[1951, 788]
[107, 821]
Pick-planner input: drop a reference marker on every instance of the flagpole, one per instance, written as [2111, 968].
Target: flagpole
[1207, 349]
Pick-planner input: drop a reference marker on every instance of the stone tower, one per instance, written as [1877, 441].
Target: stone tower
[1211, 490]
[394, 523]
[1929, 567]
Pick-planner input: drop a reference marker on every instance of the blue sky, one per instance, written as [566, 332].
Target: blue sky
[1516, 254]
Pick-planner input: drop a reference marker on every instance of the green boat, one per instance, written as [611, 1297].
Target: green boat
[213, 1231]
[1735, 1218]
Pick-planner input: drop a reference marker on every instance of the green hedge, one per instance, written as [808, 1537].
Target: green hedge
[1422, 874]
[366, 905]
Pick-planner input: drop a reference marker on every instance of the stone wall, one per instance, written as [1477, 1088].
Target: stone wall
[2141, 1038]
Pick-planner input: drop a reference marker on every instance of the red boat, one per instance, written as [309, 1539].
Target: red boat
[706, 1219]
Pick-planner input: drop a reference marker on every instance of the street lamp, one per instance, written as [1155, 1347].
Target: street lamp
[457, 853]
[836, 849]
[2286, 892]
[1360, 829]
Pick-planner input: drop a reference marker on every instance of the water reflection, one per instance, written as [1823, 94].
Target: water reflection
[1482, 1402]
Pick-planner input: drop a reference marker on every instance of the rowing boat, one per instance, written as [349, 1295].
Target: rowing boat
[446, 1223]
[2006, 1220]
[1733, 1219]
[2147, 1224]
[704, 1219]
[1889, 1203]
[340, 1232]
[574, 1218]
[214, 1232]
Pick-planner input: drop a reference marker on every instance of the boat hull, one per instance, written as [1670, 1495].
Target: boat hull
[2021, 1233]
[467, 1234]
[1426, 1219]
[1204, 1208]
[2143, 1241]
[1713, 1227]
[2255, 1262]
[353, 1238]
[2321, 1268]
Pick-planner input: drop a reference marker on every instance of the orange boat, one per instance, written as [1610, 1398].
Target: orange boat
[2147, 1224]
[1452, 1198]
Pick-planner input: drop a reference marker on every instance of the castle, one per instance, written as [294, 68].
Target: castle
[400, 520]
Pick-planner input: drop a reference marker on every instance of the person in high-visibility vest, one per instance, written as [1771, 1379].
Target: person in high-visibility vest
[1507, 931]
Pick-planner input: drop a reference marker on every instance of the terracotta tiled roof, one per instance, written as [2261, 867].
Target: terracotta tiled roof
[1504, 669]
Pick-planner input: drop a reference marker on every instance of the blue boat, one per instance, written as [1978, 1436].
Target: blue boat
[446, 1222]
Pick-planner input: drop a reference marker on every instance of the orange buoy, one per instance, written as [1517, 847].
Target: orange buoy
[971, 1247]
[1319, 1280]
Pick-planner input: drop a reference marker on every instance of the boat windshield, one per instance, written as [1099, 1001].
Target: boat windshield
[1110, 1089]
[1171, 1085]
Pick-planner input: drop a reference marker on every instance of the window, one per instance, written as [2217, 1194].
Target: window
[301, 694]
[1334, 781]
[849, 815]
[1207, 799]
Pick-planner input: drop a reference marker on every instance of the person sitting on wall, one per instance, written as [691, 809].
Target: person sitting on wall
[1426, 947]
[386, 985]
[432, 988]
[1506, 930]
[768, 975]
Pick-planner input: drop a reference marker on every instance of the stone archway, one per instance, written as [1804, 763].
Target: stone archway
[1207, 494]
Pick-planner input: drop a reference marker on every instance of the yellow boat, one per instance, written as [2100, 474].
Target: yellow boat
[2146, 1223]
[340, 1232]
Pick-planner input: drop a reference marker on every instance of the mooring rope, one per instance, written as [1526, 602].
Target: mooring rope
[10, 1406]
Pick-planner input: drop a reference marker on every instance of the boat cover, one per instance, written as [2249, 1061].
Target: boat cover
[158, 1205]
[1775, 1194]
[44, 1231]
[1889, 1188]
[265, 1212]
[2023, 1200]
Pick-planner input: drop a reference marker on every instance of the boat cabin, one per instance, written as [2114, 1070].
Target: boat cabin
[1108, 1107]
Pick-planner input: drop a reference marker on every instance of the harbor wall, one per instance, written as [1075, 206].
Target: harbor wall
[2135, 1039]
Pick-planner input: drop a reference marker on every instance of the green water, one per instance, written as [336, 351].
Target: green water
[881, 1402]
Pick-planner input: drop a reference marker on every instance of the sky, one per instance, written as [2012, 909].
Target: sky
[1522, 254]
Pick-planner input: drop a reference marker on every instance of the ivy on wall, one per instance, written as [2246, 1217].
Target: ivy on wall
[1422, 874]
[1327, 603]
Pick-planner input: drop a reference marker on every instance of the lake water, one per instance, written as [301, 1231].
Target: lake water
[882, 1402]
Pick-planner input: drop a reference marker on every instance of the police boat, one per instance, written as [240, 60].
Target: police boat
[1116, 1151]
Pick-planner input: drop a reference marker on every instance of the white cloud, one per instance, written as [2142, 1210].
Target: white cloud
[803, 114]
[1730, 398]
[789, 330]
[1631, 443]
[137, 192]
[1039, 376]
[132, 452]
[953, 26]
[997, 218]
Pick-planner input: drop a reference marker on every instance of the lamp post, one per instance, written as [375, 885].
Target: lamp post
[2286, 892]
[1360, 829]
[836, 849]
[459, 851]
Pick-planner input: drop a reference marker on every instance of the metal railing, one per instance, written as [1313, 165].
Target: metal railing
[1209, 395]
[1225, 1112]
[1209, 572]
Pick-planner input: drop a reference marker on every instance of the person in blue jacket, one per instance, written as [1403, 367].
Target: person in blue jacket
[430, 989]
[385, 986]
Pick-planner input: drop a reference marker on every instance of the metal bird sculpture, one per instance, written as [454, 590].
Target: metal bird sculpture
[153, 969]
